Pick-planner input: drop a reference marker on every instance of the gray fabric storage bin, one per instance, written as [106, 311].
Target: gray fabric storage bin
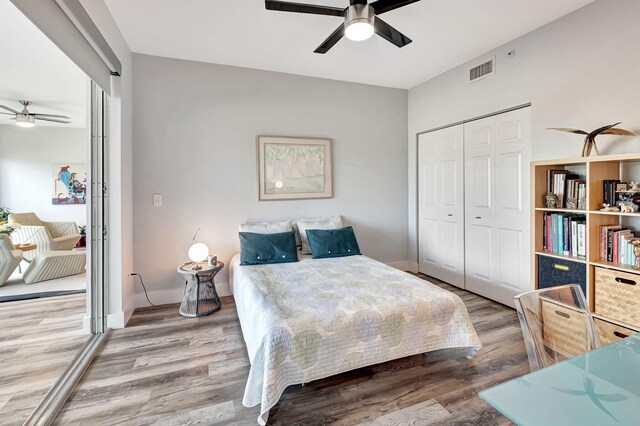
[553, 272]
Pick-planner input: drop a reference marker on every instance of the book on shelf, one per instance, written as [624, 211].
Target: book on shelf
[581, 249]
[567, 186]
[564, 234]
[616, 246]
[609, 191]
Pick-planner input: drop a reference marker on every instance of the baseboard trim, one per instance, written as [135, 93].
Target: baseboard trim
[86, 324]
[121, 318]
[174, 295]
[129, 311]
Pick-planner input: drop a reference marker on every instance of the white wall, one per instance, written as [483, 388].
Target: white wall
[195, 134]
[26, 169]
[581, 71]
[121, 285]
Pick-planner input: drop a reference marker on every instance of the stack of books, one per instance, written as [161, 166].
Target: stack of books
[564, 234]
[566, 185]
[609, 191]
[615, 245]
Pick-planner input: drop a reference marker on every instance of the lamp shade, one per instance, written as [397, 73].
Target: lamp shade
[359, 30]
[25, 120]
[198, 252]
[358, 23]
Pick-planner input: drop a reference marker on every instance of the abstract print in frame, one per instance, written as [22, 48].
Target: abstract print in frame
[69, 184]
[294, 168]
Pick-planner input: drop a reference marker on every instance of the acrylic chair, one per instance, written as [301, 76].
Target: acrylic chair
[556, 325]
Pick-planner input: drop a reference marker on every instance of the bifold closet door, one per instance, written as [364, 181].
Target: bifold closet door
[441, 204]
[497, 154]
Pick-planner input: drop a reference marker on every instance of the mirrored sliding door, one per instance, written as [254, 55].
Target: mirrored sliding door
[53, 208]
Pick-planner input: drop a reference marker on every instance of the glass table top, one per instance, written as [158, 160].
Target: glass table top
[601, 387]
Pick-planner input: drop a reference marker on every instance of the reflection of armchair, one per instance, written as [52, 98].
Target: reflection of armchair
[49, 236]
[10, 258]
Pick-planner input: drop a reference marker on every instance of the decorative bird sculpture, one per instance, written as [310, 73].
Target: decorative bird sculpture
[590, 139]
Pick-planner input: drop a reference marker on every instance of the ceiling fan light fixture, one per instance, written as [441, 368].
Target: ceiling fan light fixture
[358, 25]
[25, 120]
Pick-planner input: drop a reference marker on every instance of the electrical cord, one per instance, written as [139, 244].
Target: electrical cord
[144, 288]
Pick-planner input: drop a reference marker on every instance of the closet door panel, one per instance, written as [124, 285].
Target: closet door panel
[428, 185]
[510, 181]
[479, 240]
[510, 249]
[501, 145]
[480, 169]
[441, 204]
[450, 184]
[510, 129]
[513, 148]
[480, 244]
[428, 242]
[448, 243]
[479, 135]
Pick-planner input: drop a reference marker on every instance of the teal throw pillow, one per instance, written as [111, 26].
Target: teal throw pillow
[332, 242]
[259, 249]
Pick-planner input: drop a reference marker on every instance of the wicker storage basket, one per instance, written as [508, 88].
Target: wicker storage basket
[564, 329]
[610, 332]
[618, 296]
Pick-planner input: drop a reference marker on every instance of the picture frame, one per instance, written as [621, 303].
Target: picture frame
[69, 184]
[294, 168]
[622, 186]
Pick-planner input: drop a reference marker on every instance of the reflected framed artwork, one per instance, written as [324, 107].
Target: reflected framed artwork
[69, 184]
[292, 168]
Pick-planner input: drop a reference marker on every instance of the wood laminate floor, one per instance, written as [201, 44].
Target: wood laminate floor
[167, 370]
[38, 340]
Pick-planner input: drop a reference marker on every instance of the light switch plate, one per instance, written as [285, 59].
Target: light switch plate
[157, 200]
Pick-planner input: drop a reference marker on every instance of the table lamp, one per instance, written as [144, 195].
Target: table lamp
[198, 252]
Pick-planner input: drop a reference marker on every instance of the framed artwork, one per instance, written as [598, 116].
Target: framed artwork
[294, 168]
[69, 184]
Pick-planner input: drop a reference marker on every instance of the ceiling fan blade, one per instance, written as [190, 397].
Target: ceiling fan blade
[9, 109]
[53, 120]
[382, 6]
[285, 6]
[7, 113]
[331, 40]
[389, 33]
[38, 115]
[352, 2]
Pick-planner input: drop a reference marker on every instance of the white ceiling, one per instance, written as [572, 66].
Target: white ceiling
[34, 69]
[445, 33]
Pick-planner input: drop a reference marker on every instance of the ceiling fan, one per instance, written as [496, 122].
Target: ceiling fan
[361, 20]
[25, 118]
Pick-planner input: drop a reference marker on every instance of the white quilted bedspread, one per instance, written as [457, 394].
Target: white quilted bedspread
[318, 317]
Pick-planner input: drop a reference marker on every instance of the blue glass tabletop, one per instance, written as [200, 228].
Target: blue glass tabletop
[601, 387]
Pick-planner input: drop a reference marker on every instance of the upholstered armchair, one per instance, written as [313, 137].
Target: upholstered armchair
[10, 258]
[49, 236]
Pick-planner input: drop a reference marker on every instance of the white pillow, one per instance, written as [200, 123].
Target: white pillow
[301, 225]
[266, 227]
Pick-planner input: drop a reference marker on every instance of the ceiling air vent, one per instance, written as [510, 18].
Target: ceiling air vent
[482, 71]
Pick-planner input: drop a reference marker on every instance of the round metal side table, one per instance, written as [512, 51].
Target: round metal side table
[200, 295]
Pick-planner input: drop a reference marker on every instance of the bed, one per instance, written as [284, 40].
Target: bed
[315, 318]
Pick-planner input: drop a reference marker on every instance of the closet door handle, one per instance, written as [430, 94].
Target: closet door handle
[449, 214]
[478, 217]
